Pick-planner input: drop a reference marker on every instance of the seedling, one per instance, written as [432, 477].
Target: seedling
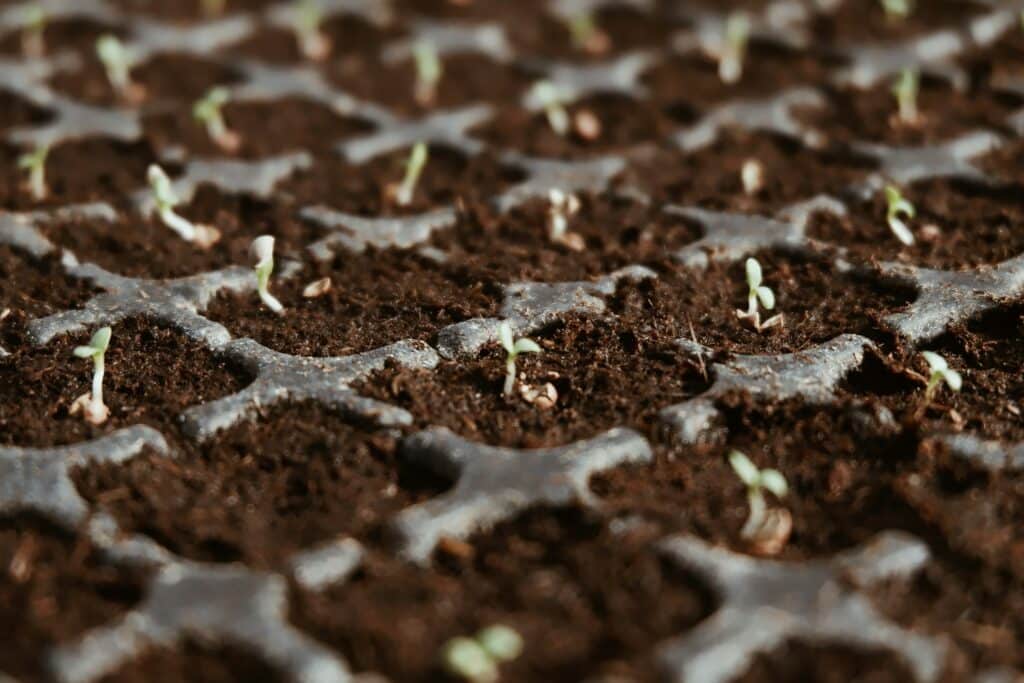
[552, 102]
[758, 293]
[757, 481]
[905, 89]
[203, 236]
[404, 191]
[312, 42]
[428, 72]
[561, 207]
[32, 43]
[513, 349]
[262, 250]
[940, 372]
[477, 659]
[35, 163]
[118, 63]
[734, 49]
[586, 35]
[897, 10]
[91, 404]
[207, 111]
[752, 176]
[898, 209]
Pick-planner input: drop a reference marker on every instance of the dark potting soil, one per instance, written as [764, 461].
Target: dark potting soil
[856, 22]
[349, 34]
[606, 375]
[376, 298]
[186, 11]
[194, 662]
[817, 301]
[958, 225]
[152, 375]
[17, 112]
[37, 287]
[54, 586]
[1004, 163]
[291, 479]
[60, 35]
[585, 600]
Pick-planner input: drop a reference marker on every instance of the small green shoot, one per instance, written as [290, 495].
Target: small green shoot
[756, 292]
[404, 192]
[513, 348]
[561, 207]
[897, 209]
[940, 372]
[312, 42]
[757, 481]
[587, 35]
[208, 111]
[734, 48]
[428, 72]
[262, 250]
[33, 44]
[897, 10]
[752, 177]
[905, 90]
[553, 103]
[35, 163]
[165, 198]
[91, 404]
[117, 62]
[477, 659]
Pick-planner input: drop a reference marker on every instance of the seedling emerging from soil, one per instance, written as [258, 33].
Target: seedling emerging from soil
[734, 48]
[586, 35]
[35, 163]
[203, 236]
[758, 293]
[207, 111]
[118, 64]
[513, 348]
[898, 209]
[905, 89]
[312, 42]
[428, 72]
[562, 207]
[91, 404]
[940, 372]
[32, 43]
[760, 526]
[554, 107]
[403, 192]
[897, 10]
[752, 176]
[477, 659]
[262, 250]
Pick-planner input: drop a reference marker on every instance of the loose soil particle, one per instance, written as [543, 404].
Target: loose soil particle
[585, 600]
[260, 492]
[152, 374]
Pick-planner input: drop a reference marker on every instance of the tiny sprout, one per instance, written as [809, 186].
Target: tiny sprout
[117, 63]
[262, 250]
[405, 191]
[312, 42]
[208, 112]
[940, 372]
[35, 163]
[561, 207]
[553, 103]
[32, 44]
[586, 35]
[737, 33]
[513, 348]
[752, 176]
[756, 482]
[905, 89]
[477, 659]
[91, 404]
[896, 10]
[898, 208]
[202, 236]
[428, 72]
[758, 293]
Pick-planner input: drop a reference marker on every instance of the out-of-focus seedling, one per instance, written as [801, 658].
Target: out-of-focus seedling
[262, 249]
[208, 111]
[477, 659]
[561, 207]
[897, 10]
[312, 41]
[767, 531]
[551, 100]
[758, 293]
[203, 236]
[33, 44]
[90, 404]
[752, 176]
[117, 62]
[587, 35]
[513, 348]
[35, 163]
[734, 47]
[403, 192]
[897, 209]
[428, 72]
[905, 89]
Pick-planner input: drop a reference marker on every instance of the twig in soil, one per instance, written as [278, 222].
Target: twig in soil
[553, 103]
[758, 293]
[905, 89]
[428, 72]
[262, 250]
[312, 42]
[477, 659]
[561, 207]
[90, 404]
[207, 111]
[767, 531]
[513, 348]
[35, 163]
[117, 62]
[898, 209]
[734, 47]
[404, 192]
[203, 236]
[700, 352]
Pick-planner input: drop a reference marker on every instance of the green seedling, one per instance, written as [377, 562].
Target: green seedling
[897, 10]
[35, 163]
[165, 198]
[897, 210]
[905, 90]
[428, 72]
[262, 250]
[33, 44]
[117, 62]
[312, 41]
[91, 404]
[209, 112]
[940, 372]
[478, 659]
[734, 48]
[513, 348]
[404, 192]
[561, 207]
[758, 293]
[586, 35]
[553, 103]
[757, 482]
